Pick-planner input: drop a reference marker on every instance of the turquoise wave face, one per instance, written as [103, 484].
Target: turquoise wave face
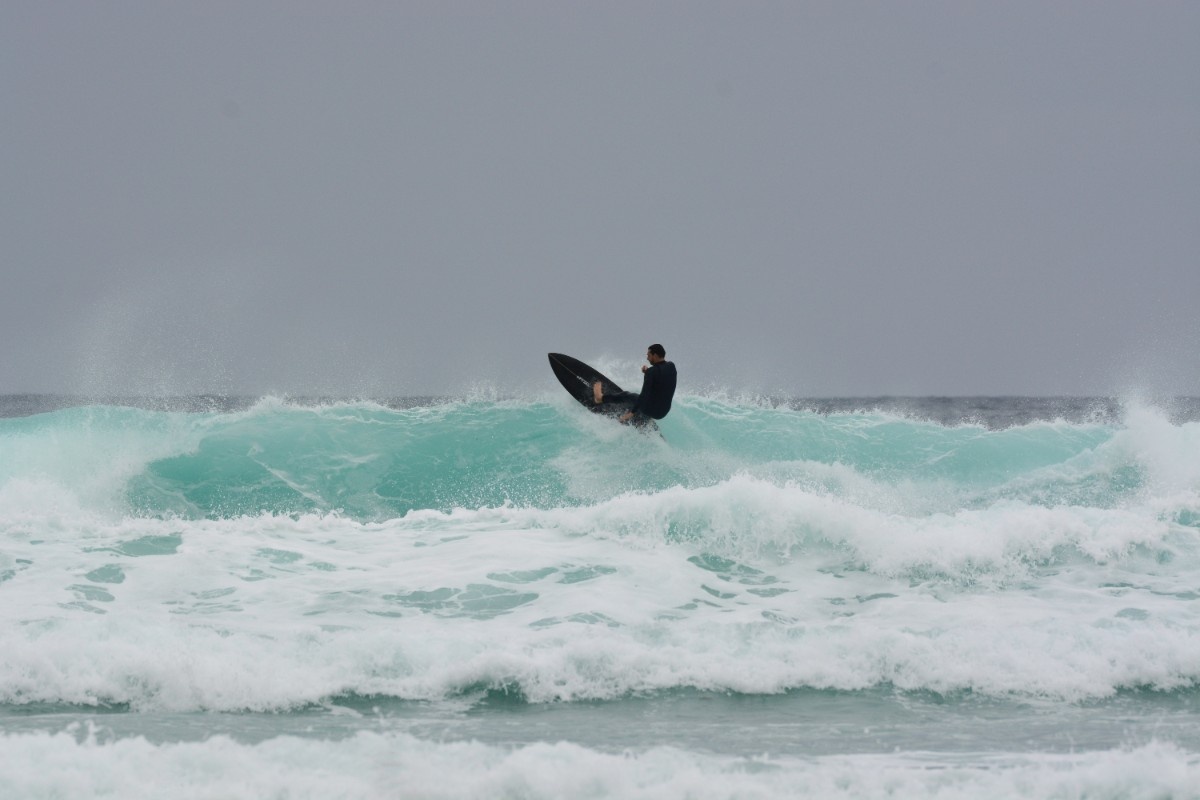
[370, 462]
[274, 557]
[364, 461]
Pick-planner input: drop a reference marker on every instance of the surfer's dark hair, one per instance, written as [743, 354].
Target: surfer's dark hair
[658, 350]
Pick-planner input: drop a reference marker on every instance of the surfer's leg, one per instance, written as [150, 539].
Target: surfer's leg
[618, 398]
[622, 398]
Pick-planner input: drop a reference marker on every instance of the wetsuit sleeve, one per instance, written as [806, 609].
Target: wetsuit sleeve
[648, 382]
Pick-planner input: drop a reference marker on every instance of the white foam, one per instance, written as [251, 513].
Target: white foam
[1168, 452]
[278, 612]
[371, 765]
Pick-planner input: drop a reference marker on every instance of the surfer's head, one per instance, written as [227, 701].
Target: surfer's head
[655, 353]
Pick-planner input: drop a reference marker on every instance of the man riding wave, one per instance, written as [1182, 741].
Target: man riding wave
[658, 389]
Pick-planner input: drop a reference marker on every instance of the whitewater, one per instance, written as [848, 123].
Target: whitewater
[511, 597]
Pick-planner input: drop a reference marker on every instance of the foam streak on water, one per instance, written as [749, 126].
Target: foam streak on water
[764, 600]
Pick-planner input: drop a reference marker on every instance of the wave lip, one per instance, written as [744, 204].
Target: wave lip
[373, 463]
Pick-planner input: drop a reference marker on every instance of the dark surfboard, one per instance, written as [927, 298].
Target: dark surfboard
[577, 378]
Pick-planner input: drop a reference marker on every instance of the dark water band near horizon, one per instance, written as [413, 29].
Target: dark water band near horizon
[509, 597]
[994, 412]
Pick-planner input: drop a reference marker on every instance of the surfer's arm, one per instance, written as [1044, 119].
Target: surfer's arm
[648, 383]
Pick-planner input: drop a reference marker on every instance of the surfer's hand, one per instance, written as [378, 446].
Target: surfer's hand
[644, 368]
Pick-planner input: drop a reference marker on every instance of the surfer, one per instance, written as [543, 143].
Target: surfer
[658, 388]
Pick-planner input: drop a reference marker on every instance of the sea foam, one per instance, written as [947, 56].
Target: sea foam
[370, 765]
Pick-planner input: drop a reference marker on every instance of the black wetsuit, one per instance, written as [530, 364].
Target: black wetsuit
[658, 389]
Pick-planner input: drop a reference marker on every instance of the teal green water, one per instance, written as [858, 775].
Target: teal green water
[765, 600]
[372, 462]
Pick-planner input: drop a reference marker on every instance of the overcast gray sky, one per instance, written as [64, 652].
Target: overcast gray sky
[833, 198]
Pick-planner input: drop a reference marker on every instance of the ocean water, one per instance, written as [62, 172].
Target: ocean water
[513, 598]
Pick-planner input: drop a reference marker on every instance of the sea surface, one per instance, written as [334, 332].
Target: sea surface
[499, 597]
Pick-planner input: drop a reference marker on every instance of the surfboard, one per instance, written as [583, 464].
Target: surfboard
[577, 378]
